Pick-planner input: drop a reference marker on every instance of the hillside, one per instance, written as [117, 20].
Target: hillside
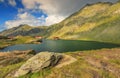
[94, 22]
[25, 30]
[103, 63]
[97, 22]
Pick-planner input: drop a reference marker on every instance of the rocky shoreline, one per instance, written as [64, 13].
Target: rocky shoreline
[2, 47]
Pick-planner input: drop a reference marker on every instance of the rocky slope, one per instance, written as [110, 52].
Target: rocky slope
[21, 63]
[10, 61]
[8, 58]
[103, 63]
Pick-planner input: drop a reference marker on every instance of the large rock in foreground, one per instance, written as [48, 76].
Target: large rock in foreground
[38, 62]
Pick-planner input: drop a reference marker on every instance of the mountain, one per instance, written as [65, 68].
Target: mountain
[94, 22]
[25, 30]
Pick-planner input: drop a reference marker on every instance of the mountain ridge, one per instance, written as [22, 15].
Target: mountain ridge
[24, 30]
[94, 22]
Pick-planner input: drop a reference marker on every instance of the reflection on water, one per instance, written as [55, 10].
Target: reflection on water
[62, 46]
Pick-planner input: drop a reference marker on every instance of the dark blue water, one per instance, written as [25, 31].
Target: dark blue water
[61, 46]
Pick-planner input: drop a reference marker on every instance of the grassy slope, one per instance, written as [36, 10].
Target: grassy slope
[91, 23]
[89, 64]
[7, 69]
[25, 30]
[18, 40]
[98, 22]
[16, 29]
[84, 69]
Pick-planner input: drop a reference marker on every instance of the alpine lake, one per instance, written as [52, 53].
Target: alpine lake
[61, 46]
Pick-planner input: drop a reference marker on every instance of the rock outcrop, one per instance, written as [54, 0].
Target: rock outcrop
[66, 60]
[39, 62]
[8, 58]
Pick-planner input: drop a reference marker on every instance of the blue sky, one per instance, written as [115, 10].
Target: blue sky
[38, 12]
[8, 12]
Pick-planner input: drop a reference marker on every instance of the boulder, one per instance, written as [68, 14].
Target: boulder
[38, 62]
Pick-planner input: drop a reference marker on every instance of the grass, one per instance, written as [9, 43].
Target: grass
[105, 74]
[92, 23]
[5, 70]
[81, 68]
[17, 40]
[115, 61]
[41, 74]
[106, 35]
[23, 40]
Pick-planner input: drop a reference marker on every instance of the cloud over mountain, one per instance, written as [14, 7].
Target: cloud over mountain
[25, 18]
[56, 10]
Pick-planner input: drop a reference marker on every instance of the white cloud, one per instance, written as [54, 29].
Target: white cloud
[1, 0]
[12, 2]
[25, 18]
[56, 10]
[52, 19]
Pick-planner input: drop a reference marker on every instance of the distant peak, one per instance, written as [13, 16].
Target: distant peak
[23, 25]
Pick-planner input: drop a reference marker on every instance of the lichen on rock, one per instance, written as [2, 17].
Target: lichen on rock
[38, 62]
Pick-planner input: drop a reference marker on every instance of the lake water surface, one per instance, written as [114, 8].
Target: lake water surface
[61, 46]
